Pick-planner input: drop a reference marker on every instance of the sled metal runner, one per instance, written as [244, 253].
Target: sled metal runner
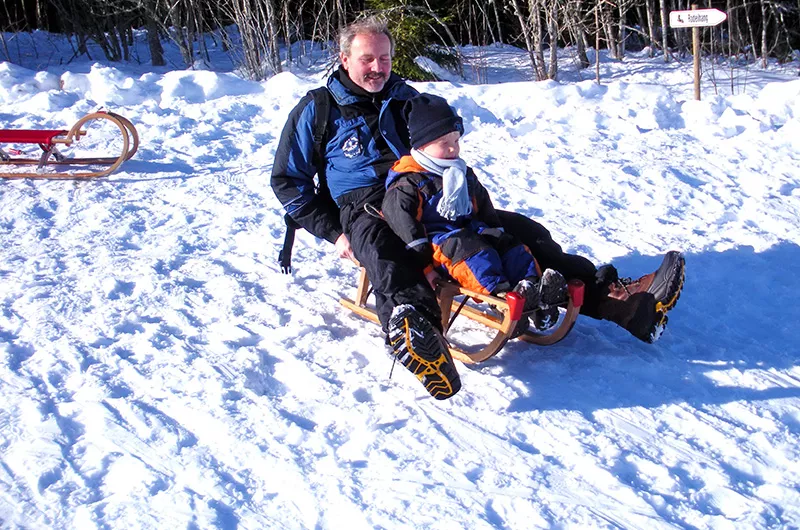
[50, 140]
[503, 319]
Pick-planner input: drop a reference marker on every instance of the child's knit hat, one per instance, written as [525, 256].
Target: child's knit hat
[430, 117]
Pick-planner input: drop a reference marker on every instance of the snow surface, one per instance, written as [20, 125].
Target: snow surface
[158, 371]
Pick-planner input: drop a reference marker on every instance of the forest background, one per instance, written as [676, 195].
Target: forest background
[255, 32]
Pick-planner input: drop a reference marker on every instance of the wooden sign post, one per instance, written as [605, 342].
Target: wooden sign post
[696, 19]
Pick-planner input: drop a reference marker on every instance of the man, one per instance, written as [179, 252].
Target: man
[366, 134]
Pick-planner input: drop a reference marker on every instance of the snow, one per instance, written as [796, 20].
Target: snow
[158, 371]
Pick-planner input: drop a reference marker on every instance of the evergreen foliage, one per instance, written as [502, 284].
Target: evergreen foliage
[412, 28]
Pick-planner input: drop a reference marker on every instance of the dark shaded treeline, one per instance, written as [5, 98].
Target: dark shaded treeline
[755, 29]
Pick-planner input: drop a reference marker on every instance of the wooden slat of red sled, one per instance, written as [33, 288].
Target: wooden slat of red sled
[25, 136]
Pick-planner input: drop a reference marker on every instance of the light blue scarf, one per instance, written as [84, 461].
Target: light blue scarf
[455, 200]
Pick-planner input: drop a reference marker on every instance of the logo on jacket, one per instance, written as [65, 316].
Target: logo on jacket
[352, 147]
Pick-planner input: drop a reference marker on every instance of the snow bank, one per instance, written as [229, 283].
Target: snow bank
[199, 87]
[19, 83]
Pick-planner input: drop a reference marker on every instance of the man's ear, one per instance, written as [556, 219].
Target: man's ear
[342, 57]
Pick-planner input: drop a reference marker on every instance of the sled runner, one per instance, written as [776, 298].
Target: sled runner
[90, 148]
[498, 314]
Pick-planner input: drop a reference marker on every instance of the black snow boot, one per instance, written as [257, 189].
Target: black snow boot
[543, 296]
[638, 314]
[553, 290]
[421, 348]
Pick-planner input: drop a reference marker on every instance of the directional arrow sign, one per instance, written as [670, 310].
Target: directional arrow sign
[696, 18]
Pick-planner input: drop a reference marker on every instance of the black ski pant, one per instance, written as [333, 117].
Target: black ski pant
[391, 268]
[397, 280]
[550, 255]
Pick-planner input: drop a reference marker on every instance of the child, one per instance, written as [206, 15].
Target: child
[435, 204]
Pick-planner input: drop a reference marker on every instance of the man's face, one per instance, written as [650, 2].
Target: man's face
[370, 61]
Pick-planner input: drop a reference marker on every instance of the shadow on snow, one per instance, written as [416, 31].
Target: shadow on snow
[737, 313]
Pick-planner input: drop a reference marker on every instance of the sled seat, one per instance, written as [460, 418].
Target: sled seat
[30, 136]
[498, 314]
[49, 139]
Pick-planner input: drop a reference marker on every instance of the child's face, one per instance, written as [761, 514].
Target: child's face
[445, 147]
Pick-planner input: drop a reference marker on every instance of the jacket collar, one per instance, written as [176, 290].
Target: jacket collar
[348, 93]
[406, 164]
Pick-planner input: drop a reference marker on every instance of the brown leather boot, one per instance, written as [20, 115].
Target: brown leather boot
[665, 284]
[623, 288]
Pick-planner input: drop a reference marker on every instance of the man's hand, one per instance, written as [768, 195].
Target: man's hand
[344, 249]
[432, 276]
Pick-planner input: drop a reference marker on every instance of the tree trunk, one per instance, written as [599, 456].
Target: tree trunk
[731, 27]
[682, 38]
[488, 30]
[577, 30]
[180, 37]
[340, 9]
[764, 20]
[664, 34]
[552, 32]
[114, 49]
[497, 21]
[651, 27]
[580, 43]
[274, 48]
[623, 13]
[287, 32]
[526, 33]
[611, 39]
[750, 30]
[156, 50]
[41, 15]
[597, 42]
[538, 39]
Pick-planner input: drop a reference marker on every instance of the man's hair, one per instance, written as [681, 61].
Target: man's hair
[366, 26]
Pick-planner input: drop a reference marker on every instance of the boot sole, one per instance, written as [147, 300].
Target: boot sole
[662, 307]
[676, 288]
[422, 350]
[554, 293]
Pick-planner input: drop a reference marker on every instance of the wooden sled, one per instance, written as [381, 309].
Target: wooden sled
[51, 157]
[501, 315]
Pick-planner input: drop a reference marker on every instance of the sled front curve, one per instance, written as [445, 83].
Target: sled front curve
[133, 135]
[49, 140]
[503, 318]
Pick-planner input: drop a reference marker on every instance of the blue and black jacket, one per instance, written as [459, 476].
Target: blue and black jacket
[365, 134]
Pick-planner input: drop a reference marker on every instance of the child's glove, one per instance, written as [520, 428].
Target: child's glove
[433, 277]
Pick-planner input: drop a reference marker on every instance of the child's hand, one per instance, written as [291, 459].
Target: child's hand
[432, 276]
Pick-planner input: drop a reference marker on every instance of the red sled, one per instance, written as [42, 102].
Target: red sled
[81, 158]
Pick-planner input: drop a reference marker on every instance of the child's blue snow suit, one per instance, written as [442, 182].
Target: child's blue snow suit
[473, 249]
